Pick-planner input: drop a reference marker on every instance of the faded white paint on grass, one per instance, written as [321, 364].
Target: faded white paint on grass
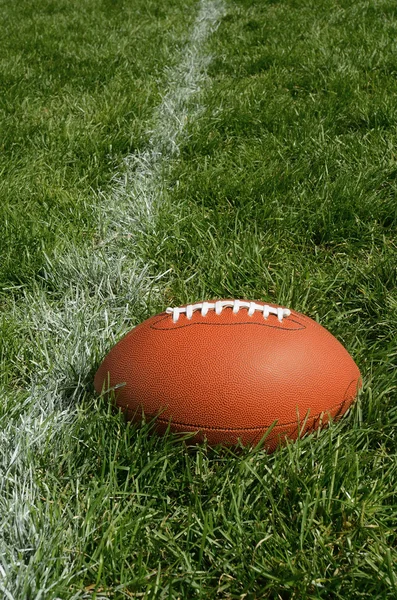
[65, 324]
[143, 178]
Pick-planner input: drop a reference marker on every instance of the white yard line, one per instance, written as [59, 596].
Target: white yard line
[143, 177]
[97, 289]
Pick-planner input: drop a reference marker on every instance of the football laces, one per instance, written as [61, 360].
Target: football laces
[219, 305]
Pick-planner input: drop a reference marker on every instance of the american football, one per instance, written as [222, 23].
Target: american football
[229, 370]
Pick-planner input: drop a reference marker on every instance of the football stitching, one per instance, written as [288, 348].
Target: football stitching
[258, 427]
[236, 305]
[174, 327]
[312, 418]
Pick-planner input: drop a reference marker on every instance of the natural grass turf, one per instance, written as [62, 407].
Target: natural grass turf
[146, 515]
[283, 191]
[78, 84]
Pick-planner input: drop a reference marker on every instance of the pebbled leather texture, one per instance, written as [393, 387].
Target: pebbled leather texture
[231, 376]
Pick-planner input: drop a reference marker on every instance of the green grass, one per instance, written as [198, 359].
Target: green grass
[78, 82]
[284, 190]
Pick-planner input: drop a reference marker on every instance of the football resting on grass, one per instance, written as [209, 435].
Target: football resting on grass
[229, 370]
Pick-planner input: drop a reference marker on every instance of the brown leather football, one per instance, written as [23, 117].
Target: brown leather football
[230, 369]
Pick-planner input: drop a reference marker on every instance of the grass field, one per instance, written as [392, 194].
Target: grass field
[156, 153]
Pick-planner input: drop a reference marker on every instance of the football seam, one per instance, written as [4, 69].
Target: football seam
[173, 328]
[256, 428]
[310, 419]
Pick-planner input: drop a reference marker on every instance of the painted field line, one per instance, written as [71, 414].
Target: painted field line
[91, 289]
[144, 172]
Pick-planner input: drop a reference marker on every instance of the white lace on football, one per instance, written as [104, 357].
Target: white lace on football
[236, 305]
